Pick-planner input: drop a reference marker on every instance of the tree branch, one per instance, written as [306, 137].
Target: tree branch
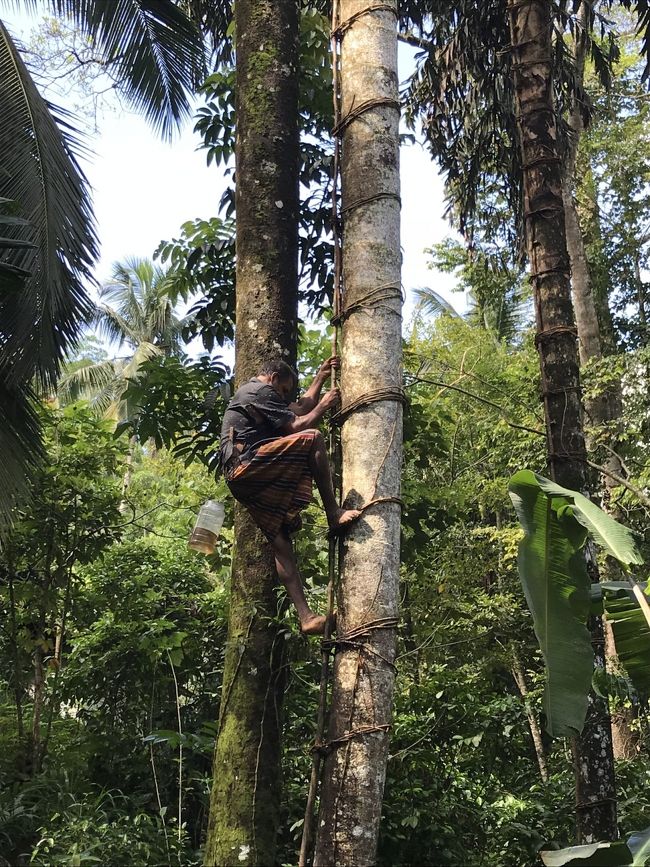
[485, 400]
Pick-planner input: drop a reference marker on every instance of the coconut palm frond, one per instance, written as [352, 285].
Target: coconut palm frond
[156, 51]
[125, 292]
[87, 380]
[115, 328]
[21, 448]
[12, 279]
[40, 173]
[214, 18]
[144, 352]
[432, 303]
[108, 404]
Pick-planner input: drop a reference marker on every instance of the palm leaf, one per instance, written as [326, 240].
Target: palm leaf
[432, 303]
[156, 51]
[87, 380]
[114, 327]
[12, 278]
[21, 449]
[554, 577]
[40, 173]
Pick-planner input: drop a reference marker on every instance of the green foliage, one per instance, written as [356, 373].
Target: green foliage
[553, 572]
[145, 606]
[554, 576]
[179, 403]
[73, 507]
[632, 637]
[202, 260]
[493, 283]
[106, 827]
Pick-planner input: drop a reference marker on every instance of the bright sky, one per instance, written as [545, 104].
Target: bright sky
[145, 189]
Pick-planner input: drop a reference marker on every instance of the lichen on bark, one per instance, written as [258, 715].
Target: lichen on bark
[245, 798]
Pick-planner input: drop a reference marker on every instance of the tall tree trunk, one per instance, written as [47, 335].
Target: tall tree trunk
[39, 700]
[589, 216]
[126, 479]
[532, 69]
[245, 802]
[605, 407]
[362, 692]
[17, 674]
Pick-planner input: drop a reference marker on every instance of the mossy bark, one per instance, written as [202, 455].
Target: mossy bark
[244, 804]
[363, 679]
[544, 214]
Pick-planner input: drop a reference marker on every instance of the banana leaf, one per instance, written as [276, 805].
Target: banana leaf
[632, 638]
[616, 539]
[556, 585]
[633, 852]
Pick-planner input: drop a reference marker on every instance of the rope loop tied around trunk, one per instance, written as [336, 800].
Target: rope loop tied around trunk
[352, 639]
[549, 333]
[362, 108]
[566, 456]
[564, 270]
[339, 31]
[366, 200]
[545, 209]
[600, 802]
[326, 747]
[377, 395]
[370, 300]
[541, 161]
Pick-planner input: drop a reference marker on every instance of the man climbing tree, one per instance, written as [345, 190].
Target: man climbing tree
[270, 452]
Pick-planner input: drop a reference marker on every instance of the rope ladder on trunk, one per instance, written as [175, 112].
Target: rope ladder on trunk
[378, 297]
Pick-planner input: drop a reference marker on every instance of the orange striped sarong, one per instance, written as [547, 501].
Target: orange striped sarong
[276, 484]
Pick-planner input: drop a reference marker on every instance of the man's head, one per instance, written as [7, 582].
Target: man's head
[281, 376]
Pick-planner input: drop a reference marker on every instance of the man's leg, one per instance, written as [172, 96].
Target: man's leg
[320, 467]
[285, 562]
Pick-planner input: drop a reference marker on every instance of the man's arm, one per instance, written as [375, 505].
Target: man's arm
[310, 419]
[309, 400]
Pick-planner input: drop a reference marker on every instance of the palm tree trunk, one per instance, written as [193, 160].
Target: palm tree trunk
[245, 800]
[362, 691]
[532, 69]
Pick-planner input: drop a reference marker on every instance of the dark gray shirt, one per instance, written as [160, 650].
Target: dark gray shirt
[256, 414]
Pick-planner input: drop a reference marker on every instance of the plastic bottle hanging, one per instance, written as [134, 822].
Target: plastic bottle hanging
[207, 527]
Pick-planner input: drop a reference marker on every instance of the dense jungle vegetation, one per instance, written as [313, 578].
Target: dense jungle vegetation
[113, 634]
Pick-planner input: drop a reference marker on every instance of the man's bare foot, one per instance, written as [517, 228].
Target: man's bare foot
[314, 625]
